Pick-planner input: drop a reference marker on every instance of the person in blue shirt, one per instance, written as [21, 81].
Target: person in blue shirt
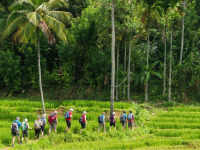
[15, 130]
[102, 124]
[43, 120]
[123, 119]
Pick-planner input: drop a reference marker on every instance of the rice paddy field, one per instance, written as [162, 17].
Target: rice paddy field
[156, 128]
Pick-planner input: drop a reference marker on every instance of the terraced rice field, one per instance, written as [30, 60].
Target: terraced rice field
[174, 128]
[182, 123]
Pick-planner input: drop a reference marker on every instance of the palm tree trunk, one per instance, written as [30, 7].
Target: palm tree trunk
[124, 89]
[113, 60]
[117, 72]
[170, 69]
[39, 70]
[146, 84]
[129, 66]
[165, 55]
[182, 38]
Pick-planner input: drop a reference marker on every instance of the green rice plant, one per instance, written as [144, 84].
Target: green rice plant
[184, 109]
[14, 103]
[178, 133]
[26, 109]
[6, 110]
[179, 114]
[175, 119]
[22, 115]
[174, 125]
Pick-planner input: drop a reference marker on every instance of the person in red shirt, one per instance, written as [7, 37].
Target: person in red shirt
[83, 124]
[130, 118]
[53, 121]
[68, 120]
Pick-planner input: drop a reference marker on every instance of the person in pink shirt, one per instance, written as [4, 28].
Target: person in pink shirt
[83, 121]
[68, 117]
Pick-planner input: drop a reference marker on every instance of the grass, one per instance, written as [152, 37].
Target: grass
[175, 128]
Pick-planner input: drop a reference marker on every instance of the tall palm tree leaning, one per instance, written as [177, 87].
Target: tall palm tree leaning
[112, 96]
[30, 17]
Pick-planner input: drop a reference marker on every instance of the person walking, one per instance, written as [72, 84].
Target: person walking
[53, 121]
[130, 118]
[83, 121]
[15, 130]
[123, 119]
[37, 127]
[112, 121]
[25, 127]
[101, 120]
[43, 120]
[68, 117]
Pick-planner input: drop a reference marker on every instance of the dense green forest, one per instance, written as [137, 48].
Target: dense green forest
[157, 49]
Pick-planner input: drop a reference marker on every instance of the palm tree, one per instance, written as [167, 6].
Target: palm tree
[150, 3]
[165, 5]
[30, 17]
[113, 60]
[182, 37]
[129, 70]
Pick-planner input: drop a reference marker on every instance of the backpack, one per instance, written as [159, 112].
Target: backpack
[130, 117]
[14, 127]
[122, 118]
[24, 126]
[36, 125]
[43, 120]
[81, 119]
[112, 118]
[100, 119]
[67, 116]
[52, 118]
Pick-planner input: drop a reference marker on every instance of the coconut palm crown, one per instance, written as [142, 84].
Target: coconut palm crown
[30, 17]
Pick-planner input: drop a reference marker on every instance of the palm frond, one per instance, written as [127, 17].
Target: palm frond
[34, 18]
[55, 4]
[47, 33]
[57, 26]
[16, 14]
[22, 5]
[14, 25]
[16, 35]
[62, 16]
[27, 31]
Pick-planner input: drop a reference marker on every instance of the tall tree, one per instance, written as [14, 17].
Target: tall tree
[124, 88]
[129, 69]
[112, 60]
[182, 36]
[30, 17]
[150, 3]
[170, 67]
[117, 79]
[165, 5]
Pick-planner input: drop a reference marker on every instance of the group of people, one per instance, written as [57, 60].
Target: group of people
[123, 120]
[39, 124]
